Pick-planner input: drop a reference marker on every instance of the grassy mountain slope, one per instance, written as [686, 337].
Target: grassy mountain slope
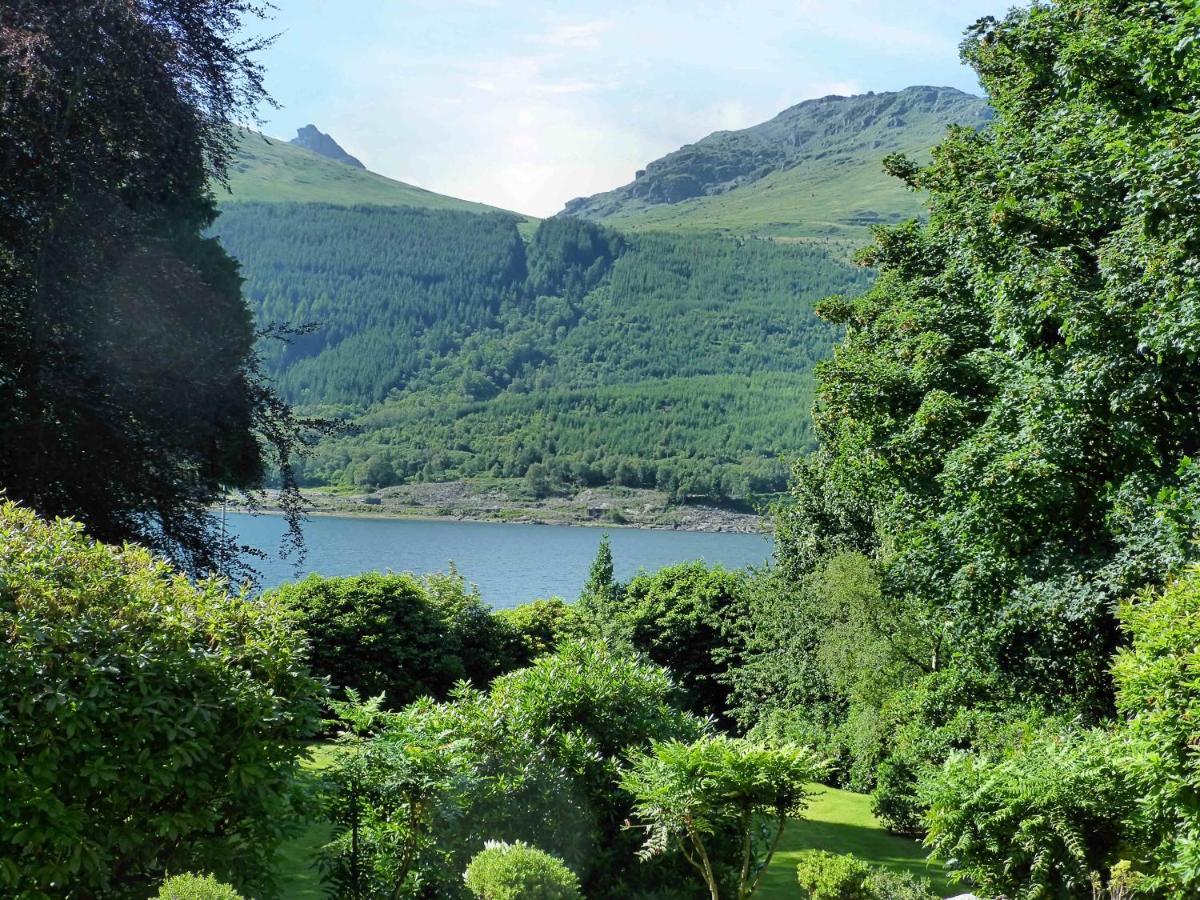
[813, 171]
[267, 170]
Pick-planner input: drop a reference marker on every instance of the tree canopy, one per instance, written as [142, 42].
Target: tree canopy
[129, 386]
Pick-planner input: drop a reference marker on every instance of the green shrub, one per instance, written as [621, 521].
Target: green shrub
[1046, 820]
[943, 713]
[1158, 692]
[149, 724]
[682, 617]
[719, 799]
[196, 887]
[520, 872]
[883, 884]
[542, 748]
[828, 876]
[395, 634]
[537, 628]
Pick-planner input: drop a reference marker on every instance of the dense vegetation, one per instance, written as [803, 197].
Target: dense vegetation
[672, 362]
[985, 607]
[113, 306]
[150, 725]
[1007, 434]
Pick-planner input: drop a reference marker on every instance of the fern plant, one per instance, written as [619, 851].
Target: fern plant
[1043, 822]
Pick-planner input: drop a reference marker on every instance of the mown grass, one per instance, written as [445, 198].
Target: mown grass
[837, 821]
[296, 868]
[842, 822]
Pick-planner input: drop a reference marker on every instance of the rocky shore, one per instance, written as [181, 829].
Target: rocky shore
[505, 501]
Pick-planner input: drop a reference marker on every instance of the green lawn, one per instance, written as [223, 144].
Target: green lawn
[837, 821]
[297, 868]
[841, 822]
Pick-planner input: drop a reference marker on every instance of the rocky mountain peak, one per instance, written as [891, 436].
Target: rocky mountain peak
[312, 138]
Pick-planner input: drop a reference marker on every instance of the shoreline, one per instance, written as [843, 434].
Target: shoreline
[501, 503]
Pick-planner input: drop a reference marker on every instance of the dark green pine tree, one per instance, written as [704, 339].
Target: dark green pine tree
[599, 604]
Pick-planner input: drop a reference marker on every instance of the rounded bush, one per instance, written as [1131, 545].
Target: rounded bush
[828, 876]
[519, 872]
[538, 627]
[196, 887]
[396, 634]
[148, 724]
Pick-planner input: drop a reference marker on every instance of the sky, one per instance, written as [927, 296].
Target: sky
[525, 105]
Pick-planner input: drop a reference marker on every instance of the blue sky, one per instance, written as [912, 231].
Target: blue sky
[525, 105]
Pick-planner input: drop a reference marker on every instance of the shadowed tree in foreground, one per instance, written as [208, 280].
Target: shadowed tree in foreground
[130, 393]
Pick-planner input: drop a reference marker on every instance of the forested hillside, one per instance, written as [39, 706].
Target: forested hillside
[657, 356]
[582, 358]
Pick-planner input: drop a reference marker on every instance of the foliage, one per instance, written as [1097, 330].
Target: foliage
[390, 792]
[920, 727]
[394, 634]
[829, 876]
[126, 687]
[545, 744]
[519, 872]
[597, 606]
[692, 797]
[460, 352]
[684, 617]
[113, 306]
[196, 887]
[1045, 820]
[829, 654]
[538, 627]
[1158, 696]
[1008, 421]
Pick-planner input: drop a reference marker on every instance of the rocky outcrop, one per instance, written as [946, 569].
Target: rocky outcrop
[311, 138]
[827, 132]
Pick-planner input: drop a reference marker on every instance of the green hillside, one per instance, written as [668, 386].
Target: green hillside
[268, 170]
[460, 350]
[814, 171]
[672, 348]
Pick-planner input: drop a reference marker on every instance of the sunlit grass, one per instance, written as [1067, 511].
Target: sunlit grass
[842, 822]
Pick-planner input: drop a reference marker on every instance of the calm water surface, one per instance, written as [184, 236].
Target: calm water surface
[511, 563]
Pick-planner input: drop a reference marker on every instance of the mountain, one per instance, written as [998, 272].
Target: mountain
[815, 170]
[459, 350]
[661, 335]
[267, 170]
[312, 138]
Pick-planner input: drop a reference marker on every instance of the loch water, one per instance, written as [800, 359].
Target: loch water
[510, 563]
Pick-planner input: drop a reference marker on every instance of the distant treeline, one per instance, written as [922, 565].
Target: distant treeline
[586, 357]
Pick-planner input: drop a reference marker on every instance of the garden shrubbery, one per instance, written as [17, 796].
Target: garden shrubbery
[830, 876]
[149, 724]
[519, 872]
[535, 759]
[397, 634]
[195, 887]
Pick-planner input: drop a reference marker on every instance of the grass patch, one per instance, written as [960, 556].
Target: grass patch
[296, 867]
[837, 821]
[842, 822]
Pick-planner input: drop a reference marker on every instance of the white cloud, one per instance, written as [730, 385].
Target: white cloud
[580, 35]
[512, 106]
